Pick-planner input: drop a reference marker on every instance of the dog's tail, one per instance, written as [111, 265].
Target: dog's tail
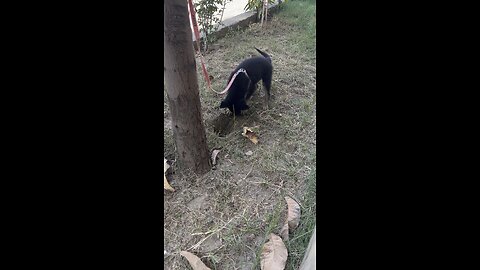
[264, 54]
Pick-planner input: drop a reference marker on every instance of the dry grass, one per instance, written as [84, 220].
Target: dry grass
[225, 215]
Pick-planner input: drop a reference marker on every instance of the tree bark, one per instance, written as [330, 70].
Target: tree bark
[182, 88]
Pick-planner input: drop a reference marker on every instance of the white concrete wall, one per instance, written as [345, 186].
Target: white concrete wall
[232, 9]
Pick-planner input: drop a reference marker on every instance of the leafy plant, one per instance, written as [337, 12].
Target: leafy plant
[257, 6]
[207, 11]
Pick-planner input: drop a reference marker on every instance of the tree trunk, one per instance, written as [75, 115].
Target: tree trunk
[182, 88]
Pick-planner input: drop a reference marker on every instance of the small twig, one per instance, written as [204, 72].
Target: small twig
[248, 173]
[251, 249]
[266, 183]
[252, 182]
[266, 12]
[211, 233]
[263, 12]
[202, 233]
[223, 9]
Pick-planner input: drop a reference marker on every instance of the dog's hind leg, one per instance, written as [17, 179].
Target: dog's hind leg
[267, 83]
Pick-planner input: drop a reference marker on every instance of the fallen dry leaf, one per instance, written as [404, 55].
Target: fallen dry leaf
[194, 261]
[293, 216]
[214, 156]
[165, 165]
[274, 254]
[247, 132]
[284, 231]
[166, 185]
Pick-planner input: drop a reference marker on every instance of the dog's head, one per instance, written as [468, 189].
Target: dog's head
[235, 108]
[224, 104]
[235, 99]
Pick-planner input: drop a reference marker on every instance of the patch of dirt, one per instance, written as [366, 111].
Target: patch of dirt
[198, 203]
[211, 244]
[222, 124]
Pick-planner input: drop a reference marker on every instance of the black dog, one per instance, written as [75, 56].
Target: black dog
[250, 72]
